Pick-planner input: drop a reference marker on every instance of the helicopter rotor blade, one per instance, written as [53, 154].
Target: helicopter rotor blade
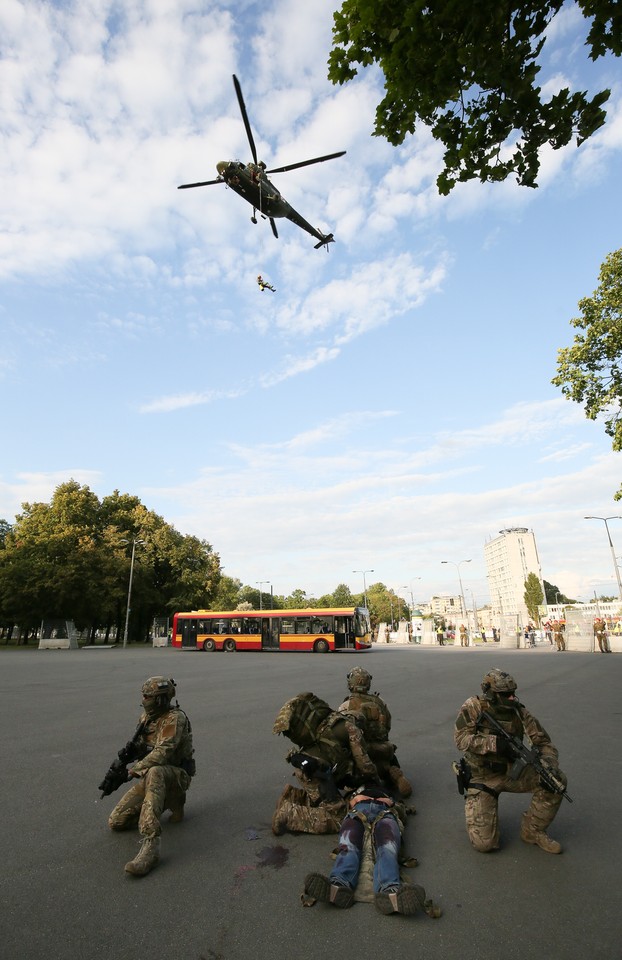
[249, 132]
[203, 183]
[306, 163]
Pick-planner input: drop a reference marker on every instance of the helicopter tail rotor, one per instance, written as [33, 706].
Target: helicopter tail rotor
[326, 239]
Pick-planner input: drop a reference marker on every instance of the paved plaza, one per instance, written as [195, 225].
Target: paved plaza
[226, 888]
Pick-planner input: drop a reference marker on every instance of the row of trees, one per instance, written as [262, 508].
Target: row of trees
[70, 559]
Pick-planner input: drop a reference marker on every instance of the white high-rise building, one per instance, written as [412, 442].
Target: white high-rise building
[510, 558]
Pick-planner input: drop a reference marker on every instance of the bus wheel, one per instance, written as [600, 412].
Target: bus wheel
[320, 646]
[229, 645]
[209, 645]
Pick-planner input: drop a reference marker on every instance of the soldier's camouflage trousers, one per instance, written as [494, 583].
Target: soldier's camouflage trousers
[161, 788]
[481, 808]
[296, 813]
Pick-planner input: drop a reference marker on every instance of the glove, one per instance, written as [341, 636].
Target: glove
[505, 749]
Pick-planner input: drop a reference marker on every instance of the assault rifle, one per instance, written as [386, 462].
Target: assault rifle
[524, 756]
[134, 749]
[314, 769]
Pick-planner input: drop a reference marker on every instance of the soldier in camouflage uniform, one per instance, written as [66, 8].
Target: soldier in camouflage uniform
[161, 778]
[558, 635]
[336, 742]
[377, 728]
[600, 633]
[490, 758]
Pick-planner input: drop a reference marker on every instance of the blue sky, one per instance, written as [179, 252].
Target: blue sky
[390, 406]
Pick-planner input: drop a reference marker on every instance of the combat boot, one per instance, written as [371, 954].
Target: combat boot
[280, 816]
[279, 821]
[406, 899]
[403, 785]
[177, 812]
[146, 859]
[320, 888]
[529, 834]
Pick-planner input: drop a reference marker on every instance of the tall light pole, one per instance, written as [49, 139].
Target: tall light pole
[412, 599]
[613, 553]
[457, 566]
[129, 589]
[364, 584]
[260, 584]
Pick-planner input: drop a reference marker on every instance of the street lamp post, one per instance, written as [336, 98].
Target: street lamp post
[457, 566]
[129, 589]
[613, 553]
[364, 584]
[260, 584]
[412, 599]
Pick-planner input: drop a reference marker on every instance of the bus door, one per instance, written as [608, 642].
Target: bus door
[343, 633]
[189, 633]
[270, 633]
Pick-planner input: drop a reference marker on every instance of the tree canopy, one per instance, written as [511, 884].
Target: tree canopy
[70, 559]
[533, 596]
[469, 72]
[590, 371]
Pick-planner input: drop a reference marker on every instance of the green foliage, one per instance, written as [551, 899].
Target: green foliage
[590, 371]
[533, 596]
[297, 600]
[342, 597]
[469, 72]
[70, 559]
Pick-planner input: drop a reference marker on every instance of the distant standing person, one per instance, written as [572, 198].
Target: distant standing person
[464, 636]
[558, 635]
[600, 633]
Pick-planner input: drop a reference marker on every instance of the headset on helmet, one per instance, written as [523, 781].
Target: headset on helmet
[157, 694]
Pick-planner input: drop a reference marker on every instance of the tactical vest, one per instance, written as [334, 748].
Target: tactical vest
[507, 717]
[374, 710]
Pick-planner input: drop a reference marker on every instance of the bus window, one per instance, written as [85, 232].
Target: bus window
[288, 626]
[221, 626]
[236, 626]
[250, 626]
[321, 625]
[303, 625]
[362, 625]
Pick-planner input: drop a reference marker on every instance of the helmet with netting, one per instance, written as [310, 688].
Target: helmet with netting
[359, 680]
[498, 682]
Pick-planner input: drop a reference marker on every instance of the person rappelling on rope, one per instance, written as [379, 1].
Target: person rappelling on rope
[264, 285]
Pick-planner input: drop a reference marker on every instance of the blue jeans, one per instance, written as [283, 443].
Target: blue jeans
[386, 838]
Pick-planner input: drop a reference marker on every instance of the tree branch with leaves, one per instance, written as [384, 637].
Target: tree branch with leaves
[469, 72]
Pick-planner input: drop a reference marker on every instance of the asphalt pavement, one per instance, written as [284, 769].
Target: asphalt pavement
[226, 888]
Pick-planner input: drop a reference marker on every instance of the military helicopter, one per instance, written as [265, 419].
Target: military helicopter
[250, 182]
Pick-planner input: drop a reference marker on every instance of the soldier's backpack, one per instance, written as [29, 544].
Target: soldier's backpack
[300, 717]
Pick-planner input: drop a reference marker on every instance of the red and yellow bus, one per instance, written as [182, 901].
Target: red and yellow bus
[312, 630]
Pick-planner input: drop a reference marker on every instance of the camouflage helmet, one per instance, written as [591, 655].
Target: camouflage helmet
[359, 680]
[496, 682]
[157, 694]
